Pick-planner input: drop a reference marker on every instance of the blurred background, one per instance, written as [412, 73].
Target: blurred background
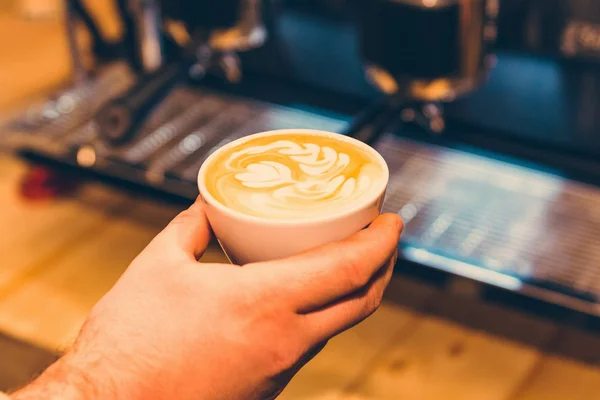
[487, 112]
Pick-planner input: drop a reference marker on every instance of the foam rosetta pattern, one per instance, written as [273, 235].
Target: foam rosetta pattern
[293, 178]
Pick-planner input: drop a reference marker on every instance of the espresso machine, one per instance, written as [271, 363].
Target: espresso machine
[487, 112]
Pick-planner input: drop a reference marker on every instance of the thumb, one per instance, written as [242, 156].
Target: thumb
[188, 233]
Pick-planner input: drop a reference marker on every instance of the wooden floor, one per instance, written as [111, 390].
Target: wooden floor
[58, 257]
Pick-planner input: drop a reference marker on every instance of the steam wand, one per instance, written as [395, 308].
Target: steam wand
[389, 112]
[376, 120]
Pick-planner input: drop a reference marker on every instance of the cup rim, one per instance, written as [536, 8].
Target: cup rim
[378, 191]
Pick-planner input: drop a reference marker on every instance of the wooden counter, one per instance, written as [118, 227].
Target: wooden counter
[58, 257]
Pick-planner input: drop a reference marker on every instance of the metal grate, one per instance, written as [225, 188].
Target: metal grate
[60, 116]
[537, 227]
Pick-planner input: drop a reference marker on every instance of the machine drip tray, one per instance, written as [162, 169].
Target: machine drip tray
[497, 223]
[505, 225]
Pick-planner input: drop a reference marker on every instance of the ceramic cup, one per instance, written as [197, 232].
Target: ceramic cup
[247, 238]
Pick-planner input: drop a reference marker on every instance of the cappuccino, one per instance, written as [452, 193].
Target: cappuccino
[294, 175]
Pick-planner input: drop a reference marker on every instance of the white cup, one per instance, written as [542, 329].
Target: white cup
[247, 238]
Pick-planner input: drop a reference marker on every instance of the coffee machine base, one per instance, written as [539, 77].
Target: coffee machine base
[517, 228]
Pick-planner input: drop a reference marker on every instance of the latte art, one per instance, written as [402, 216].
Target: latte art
[292, 176]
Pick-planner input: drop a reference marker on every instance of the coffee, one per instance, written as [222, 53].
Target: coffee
[294, 175]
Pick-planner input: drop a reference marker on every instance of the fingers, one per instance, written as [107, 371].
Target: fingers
[188, 234]
[318, 277]
[335, 318]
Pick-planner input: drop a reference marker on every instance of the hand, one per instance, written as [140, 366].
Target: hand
[173, 328]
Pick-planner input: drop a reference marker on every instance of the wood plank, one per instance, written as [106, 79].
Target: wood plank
[48, 309]
[10, 168]
[442, 360]
[22, 216]
[338, 395]
[562, 379]
[463, 349]
[570, 370]
[20, 73]
[348, 356]
[34, 234]
[36, 9]
[20, 362]
[475, 313]
[578, 344]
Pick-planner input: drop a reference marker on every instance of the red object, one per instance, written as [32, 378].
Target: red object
[43, 182]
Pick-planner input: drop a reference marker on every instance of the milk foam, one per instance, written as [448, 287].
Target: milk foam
[293, 177]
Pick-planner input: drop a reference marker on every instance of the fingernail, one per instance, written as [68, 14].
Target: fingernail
[399, 223]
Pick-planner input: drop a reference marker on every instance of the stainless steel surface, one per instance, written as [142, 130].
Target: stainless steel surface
[247, 34]
[495, 222]
[68, 114]
[89, 139]
[196, 114]
[79, 70]
[217, 125]
[148, 23]
[472, 22]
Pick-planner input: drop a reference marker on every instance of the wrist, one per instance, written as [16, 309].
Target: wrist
[66, 380]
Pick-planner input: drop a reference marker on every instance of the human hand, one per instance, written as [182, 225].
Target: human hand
[173, 328]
